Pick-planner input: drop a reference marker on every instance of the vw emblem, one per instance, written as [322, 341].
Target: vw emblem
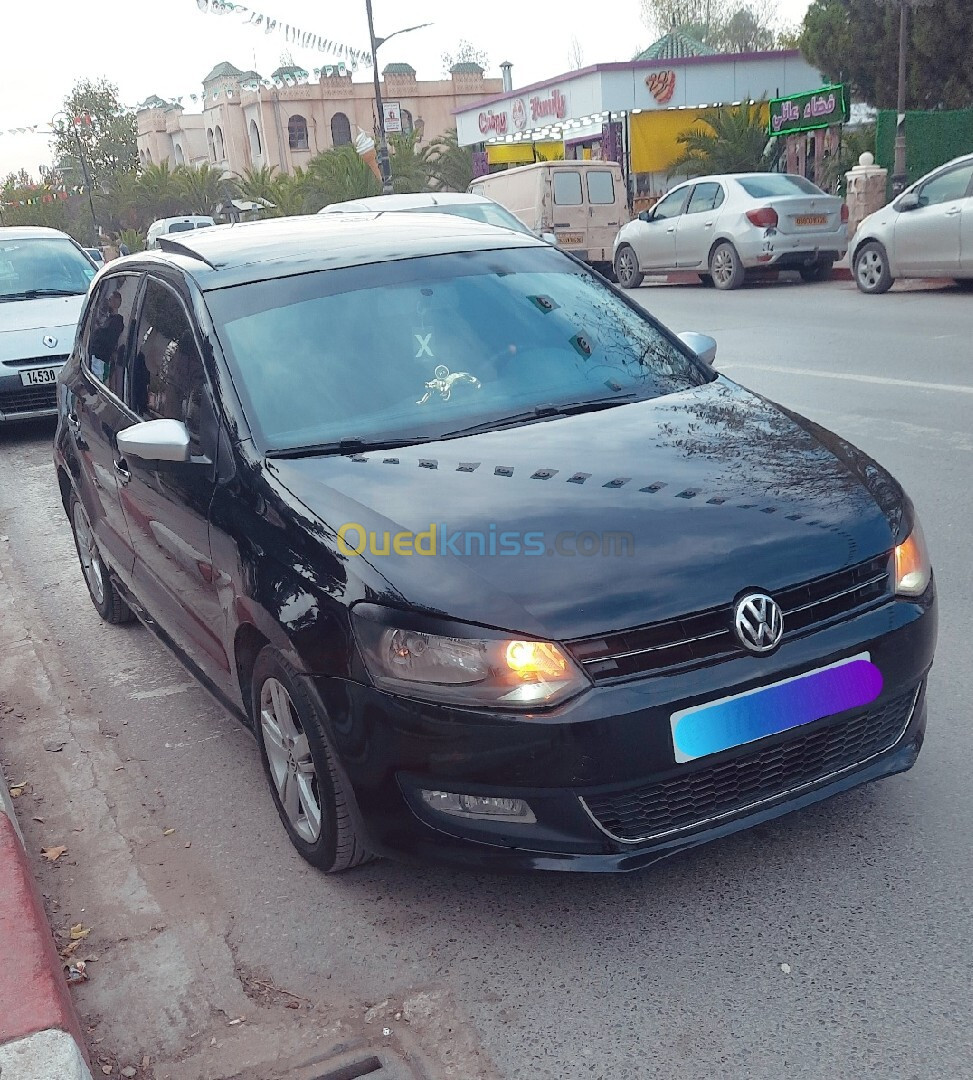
[50, 341]
[758, 622]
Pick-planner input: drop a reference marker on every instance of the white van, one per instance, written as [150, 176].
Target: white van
[581, 202]
[166, 226]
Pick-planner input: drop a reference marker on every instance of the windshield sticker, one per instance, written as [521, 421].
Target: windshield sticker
[444, 383]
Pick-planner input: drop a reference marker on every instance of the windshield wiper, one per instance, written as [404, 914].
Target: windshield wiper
[34, 294]
[541, 412]
[344, 446]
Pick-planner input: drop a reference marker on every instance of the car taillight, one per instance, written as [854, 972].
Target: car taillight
[844, 213]
[764, 218]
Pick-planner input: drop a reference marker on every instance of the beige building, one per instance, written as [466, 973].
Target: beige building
[248, 122]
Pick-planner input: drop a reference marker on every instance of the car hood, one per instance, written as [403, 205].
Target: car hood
[718, 489]
[25, 323]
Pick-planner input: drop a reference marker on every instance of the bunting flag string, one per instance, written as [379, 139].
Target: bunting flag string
[293, 35]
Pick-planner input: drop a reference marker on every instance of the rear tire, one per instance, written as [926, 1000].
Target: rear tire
[306, 785]
[871, 267]
[965, 283]
[819, 270]
[108, 603]
[725, 267]
[627, 267]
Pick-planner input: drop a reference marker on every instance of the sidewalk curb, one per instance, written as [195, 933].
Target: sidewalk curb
[40, 1033]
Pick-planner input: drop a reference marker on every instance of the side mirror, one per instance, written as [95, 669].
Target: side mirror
[155, 440]
[701, 344]
[911, 200]
[646, 215]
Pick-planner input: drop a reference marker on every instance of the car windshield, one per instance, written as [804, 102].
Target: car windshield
[42, 266]
[420, 349]
[488, 213]
[771, 184]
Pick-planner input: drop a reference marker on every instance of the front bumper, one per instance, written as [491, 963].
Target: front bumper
[19, 402]
[782, 251]
[584, 767]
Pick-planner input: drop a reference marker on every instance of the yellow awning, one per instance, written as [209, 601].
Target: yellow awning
[523, 153]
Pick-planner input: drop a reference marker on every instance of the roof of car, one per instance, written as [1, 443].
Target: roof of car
[405, 202]
[29, 232]
[226, 255]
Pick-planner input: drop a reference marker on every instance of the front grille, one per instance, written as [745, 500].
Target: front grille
[694, 796]
[28, 399]
[707, 635]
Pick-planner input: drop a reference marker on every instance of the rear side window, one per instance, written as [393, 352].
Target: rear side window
[601, 187]
[181, 226]
[771, 184]
[106, 339]
[705, 197]
[567, 188]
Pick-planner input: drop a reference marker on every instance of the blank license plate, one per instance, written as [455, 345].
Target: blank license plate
[811, 219]
[769, 710]
[570, 239]
[40, 376]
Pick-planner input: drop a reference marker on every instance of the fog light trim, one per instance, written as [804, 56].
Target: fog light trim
[479, 807]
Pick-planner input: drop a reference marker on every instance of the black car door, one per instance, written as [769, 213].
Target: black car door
[94, 413]
[167, 503]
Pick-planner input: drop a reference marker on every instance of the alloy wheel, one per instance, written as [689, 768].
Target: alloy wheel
[88, 553]
[723, 266]
[870, 268]
[627, 268]
[291, 764]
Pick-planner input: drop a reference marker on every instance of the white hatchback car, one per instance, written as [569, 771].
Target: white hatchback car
[927, 232]
[722, 226]
[44, 276]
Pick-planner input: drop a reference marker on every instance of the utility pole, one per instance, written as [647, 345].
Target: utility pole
[899, 170]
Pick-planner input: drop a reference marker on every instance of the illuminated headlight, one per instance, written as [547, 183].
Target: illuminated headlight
[479, 806]
[462, 665]
[913, 570]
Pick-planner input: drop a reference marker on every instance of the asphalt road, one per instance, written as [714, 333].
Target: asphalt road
[832, 943]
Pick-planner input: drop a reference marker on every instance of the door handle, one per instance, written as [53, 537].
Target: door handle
[673, 229]
[956, 210]
[74, 421]
[122, 471]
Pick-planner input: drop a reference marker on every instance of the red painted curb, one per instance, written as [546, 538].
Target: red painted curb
[33, 993]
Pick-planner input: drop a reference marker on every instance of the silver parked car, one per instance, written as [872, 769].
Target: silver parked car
[722, 226]
[926, 232]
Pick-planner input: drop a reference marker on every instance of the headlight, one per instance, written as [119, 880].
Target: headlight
[464, 665]
[912, 567]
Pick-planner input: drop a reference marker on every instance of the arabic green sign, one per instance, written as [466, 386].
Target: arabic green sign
[807, 112]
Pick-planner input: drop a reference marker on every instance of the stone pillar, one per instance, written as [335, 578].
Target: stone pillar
[867, 185]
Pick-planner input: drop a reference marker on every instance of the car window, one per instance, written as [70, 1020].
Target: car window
[767, 185]
[41, 265]
[420, 347]
[567, 187]
[601, 187]
[168, 380]
[489, 213]
[705, 197]
[947, 187]
[181, 226]
[671, 206]
[106, 337]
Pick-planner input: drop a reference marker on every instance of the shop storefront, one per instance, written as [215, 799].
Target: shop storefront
[631, 113]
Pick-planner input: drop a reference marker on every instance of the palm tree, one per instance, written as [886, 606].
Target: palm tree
[450, 165]
[258, 184]
[729, 139]
[157, 193]
[203, 188]
[410, 169]
[339, 175]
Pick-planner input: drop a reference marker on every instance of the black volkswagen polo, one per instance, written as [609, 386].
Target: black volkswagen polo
[497, 568]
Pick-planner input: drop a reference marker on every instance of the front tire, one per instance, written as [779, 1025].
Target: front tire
[108, 603]
[307, 788]
[725, 267]
[872, 273]
[819, 270]
[627, 267]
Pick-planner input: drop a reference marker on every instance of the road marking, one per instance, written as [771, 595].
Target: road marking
[877, 379]
[164, 691]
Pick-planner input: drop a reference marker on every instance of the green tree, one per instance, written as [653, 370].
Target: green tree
[202, 188]
[728, 139]
[339, 175]
[856, 41]
[410, 167]
[94, 116]
[158, 193]
[728, 26]
[450, 165]
[464, 53]
[258, 184]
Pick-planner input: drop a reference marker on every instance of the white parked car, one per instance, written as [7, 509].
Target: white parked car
[168, 226]
[926, 232]
[722, 226]
[456, 203]
[44, 276]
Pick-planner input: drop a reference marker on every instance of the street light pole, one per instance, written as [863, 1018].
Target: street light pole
[898, 170]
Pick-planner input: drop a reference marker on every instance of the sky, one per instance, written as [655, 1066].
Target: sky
[169, 46]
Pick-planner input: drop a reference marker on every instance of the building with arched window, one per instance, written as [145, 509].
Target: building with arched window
[246, 120]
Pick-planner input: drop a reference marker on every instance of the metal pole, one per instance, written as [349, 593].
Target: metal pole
[383, 146]
[85, 175]
[899, 170]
